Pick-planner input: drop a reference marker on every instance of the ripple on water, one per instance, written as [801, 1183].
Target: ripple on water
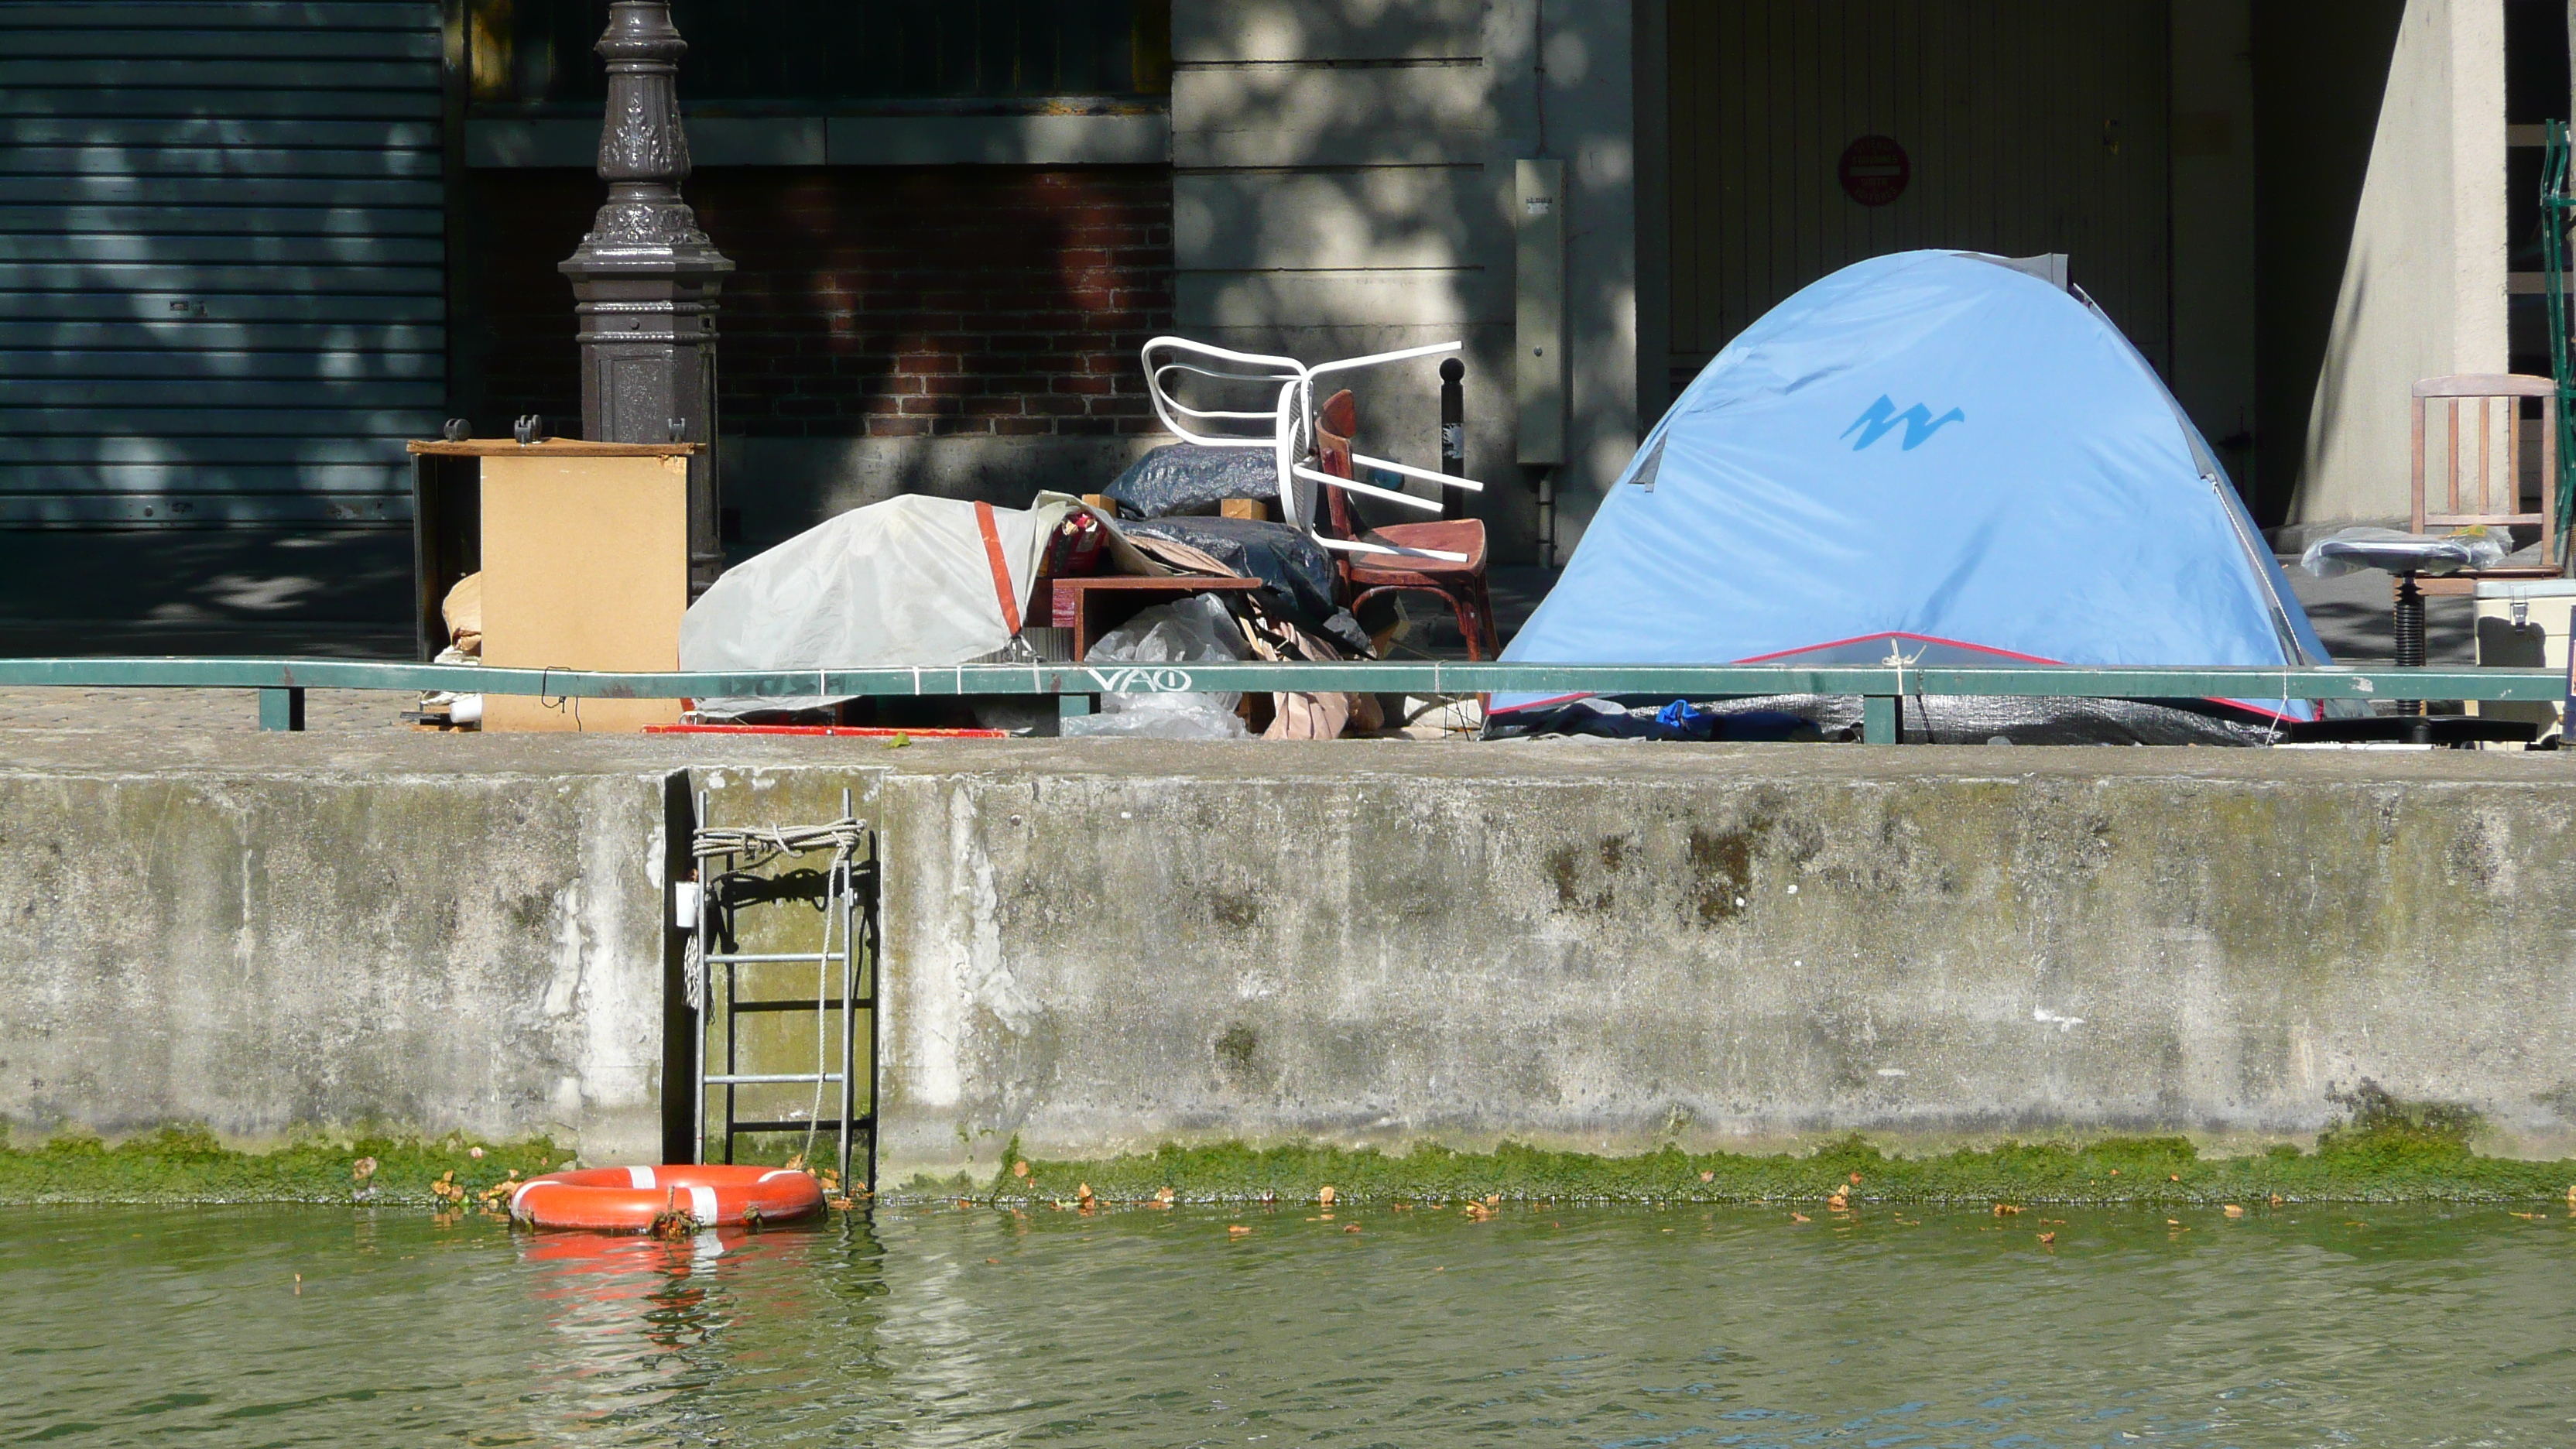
[937, 1326]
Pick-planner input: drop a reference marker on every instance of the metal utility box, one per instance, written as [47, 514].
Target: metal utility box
[1538, 308]
[584, 552]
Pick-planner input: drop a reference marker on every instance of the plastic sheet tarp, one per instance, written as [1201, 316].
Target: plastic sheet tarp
[2398, 552]
[904, 582]
[1184, 631]
[1187, 478]
[1928, 456]
[1924, 720]
[1295, 567]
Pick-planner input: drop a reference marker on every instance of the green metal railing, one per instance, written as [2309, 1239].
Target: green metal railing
[1882, 687]
[2557, 217]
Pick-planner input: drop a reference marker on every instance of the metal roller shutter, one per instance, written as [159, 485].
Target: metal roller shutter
[221, 260]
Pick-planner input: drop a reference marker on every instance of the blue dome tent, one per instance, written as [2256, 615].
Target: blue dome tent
[1935, 455]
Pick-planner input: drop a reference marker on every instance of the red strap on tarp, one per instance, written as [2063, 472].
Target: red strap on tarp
[1001, 568]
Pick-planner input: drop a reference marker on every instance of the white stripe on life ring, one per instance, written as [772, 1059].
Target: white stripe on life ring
[518, 1197]
[702, 1204]
[640, 1176]
[782, 1172]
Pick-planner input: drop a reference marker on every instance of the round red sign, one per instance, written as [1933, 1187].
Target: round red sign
[1875, 170]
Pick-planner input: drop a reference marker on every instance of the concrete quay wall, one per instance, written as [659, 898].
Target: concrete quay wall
[1101, 946]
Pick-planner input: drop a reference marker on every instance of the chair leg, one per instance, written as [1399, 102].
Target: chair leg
[1470, 623]
[1485, 618]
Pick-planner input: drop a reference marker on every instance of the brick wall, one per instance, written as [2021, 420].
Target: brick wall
[895, 302]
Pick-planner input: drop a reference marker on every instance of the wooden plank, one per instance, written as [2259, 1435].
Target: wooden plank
[200, 130]
[204, 477]
[212, 43]
[212, 191]
[200, 76]
[219, 309]
[119, 394]
[309, 367]
[227, 14]
[1308, 115]
[344, 340]
[1338, 219]
[1434, 299]
[239, 164]
[171, 422]
[92, 449]
[1206, 32]
[175, 278]
[105, 101]
[545, 448]
[98, 248]
[201, 510]
[353, 221]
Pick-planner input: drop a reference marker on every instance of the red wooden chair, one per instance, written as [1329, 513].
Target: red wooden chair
[1458, 580]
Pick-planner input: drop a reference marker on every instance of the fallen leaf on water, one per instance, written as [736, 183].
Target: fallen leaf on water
[1238, 1230]
[2046, 1239]
[1082, 1190]
[2005, 1210]
[1325, 1194]
[1800, 1218]
[2173, 1177]
[2234, 1211]
[1020, 1169]
[2532, 1217]
[2277, 1199]
[1838, 1202]
[995, 1261]
[2173, 1222]
[1496, 1200]
[899, 741]
[1351, 1228]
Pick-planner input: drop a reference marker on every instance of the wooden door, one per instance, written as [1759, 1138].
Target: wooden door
[2024, 126]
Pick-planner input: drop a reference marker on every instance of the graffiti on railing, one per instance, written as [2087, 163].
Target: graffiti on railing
[1139, 680]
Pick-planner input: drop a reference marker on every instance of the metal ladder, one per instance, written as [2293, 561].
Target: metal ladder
[729, 862]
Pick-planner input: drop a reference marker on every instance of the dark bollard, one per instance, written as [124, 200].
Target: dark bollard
[2410, 654]
[1453, 435]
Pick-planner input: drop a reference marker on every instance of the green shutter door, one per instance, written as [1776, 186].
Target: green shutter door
[221, 260]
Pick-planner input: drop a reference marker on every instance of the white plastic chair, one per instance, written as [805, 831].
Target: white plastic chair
[1288, 428]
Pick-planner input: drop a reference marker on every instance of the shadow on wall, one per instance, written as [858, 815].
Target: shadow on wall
[873, 312]
[1334, 210]
[2320, 73]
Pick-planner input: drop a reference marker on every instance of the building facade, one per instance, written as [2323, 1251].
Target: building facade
[247, 248]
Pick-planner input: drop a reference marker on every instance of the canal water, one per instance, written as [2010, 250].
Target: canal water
[1539, 1326]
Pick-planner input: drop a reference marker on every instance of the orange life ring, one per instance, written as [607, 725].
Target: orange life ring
[633, 1199]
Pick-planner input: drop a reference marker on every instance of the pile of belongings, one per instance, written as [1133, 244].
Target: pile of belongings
[925, 582]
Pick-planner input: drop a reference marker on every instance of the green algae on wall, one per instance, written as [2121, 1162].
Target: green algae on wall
[187, 1165]
[2369, 1160]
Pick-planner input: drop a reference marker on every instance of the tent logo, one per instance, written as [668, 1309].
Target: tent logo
[1882, 418]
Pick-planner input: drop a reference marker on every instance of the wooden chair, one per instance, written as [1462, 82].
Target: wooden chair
[1446, 557]
[2492, 495]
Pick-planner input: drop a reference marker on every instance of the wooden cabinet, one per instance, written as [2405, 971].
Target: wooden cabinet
[584, 552]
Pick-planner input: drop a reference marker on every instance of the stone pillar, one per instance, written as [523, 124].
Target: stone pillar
[645, 279]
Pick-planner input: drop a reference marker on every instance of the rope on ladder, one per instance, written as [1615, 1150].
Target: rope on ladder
[757, 846]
